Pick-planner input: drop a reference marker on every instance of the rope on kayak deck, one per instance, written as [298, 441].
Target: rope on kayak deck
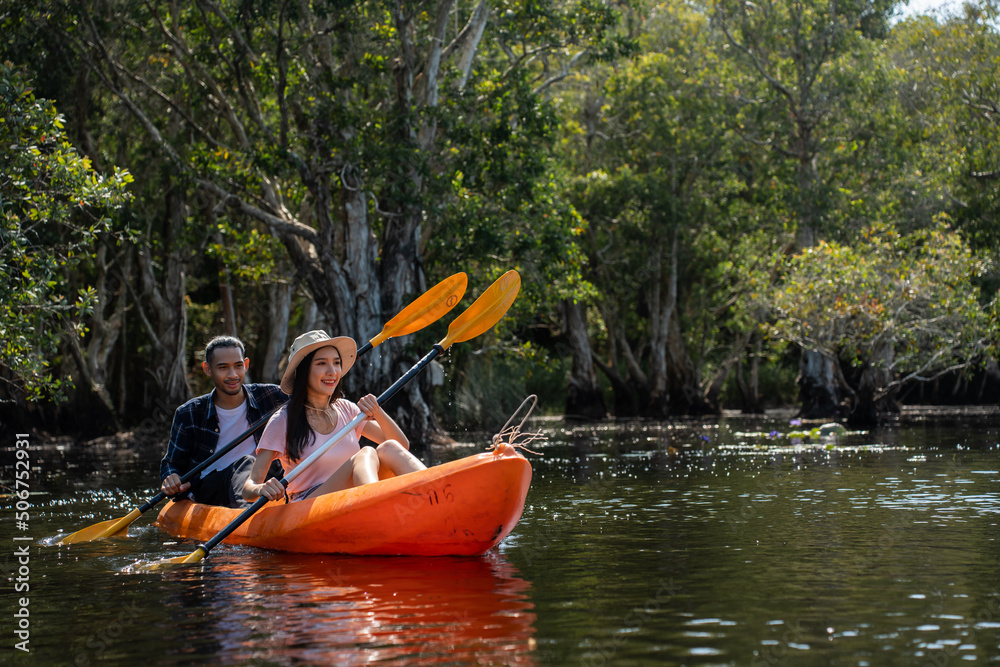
[511, 434]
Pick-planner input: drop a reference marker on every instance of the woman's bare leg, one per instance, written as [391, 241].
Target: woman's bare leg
[397, 458]
[362, 468]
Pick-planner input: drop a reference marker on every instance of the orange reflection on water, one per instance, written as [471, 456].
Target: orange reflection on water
[282, 608]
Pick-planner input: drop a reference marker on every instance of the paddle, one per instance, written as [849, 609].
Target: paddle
[425, 310]
[480, 316]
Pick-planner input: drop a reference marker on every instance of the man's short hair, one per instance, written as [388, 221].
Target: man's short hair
[223, 341]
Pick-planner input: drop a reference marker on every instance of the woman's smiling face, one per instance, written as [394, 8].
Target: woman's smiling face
[324, 373]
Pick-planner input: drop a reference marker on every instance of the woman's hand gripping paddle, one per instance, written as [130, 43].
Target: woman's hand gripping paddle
[425, 310]
[480, 317]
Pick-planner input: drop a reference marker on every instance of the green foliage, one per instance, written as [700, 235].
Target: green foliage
[728, 126]
[501, 207]
[911, 293]
[952, 93]
[776, 383]
[582, 26]
[249, 254]
[489, 388]
[54, 209]
[812, 97]
[663, 166]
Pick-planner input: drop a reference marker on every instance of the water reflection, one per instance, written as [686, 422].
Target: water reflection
[270, 608]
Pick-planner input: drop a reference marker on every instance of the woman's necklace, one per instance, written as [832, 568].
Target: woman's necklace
[328, 412]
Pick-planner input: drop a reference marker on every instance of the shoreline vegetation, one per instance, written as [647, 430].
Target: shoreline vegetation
[909, 414]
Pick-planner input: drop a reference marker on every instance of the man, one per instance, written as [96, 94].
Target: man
[214, 420]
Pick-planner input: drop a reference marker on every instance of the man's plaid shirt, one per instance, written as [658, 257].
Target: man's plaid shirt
[194, 434]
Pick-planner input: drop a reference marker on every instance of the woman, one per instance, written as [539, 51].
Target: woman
[316, 409]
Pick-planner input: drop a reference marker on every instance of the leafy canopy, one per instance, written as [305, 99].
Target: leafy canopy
[912, 292]
[53, 210]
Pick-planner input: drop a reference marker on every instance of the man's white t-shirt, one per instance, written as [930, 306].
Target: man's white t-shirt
[231, 424]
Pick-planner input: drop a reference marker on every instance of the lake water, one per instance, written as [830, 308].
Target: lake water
[715, 542]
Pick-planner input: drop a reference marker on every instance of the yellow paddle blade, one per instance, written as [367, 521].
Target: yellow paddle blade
[426, 310]
[103, 529]
[193, 557]
[486, 311]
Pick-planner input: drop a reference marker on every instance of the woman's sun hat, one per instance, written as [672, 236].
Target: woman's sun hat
[310, 341]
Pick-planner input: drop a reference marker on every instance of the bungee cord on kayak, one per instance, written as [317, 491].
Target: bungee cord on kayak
[511, 434]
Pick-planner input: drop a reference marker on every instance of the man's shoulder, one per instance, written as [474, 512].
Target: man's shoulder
[194, 412]
[196, 403]
[263, 388]
[270, 393]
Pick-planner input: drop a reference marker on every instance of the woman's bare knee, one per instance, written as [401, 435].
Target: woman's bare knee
[397, 458]
[365, 465]
[390, 447]
[365, 455]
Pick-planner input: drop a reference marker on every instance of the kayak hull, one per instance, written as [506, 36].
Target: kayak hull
[460, 508]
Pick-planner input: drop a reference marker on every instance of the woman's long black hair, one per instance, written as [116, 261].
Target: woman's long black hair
[298, 434]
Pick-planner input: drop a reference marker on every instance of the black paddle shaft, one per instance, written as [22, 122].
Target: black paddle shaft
[190, 474]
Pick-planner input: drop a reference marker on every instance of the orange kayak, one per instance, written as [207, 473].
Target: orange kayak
[460, 508]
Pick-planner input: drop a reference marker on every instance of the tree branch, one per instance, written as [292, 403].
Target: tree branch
[562, 74]
[193, 66]
[777, 85]
[468, 40]
[143, 119]
[281, 227]
[251, 100]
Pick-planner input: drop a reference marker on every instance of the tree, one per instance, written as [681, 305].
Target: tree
[804, 63]
[58, 217]
[893, 308]
[660, 175]
[951, 95]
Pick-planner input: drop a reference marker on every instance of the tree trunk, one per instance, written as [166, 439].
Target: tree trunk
[741, 386]
[358, 272]
[226, 301]
[874, 401]
[714, 387]
[93, 360]
[818, 395]
[991, 375]
[626, 399]
[161, 307]
[583, 396]
[686, 397]
[630, 392]
[279, 308]
[751, 402]
[662, 304]
[358, 286]
[311, 317]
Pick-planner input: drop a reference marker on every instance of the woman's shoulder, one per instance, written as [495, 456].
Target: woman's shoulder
[273, 436]
[278, 419]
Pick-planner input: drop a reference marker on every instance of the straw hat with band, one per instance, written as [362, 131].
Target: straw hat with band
[310, 341]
